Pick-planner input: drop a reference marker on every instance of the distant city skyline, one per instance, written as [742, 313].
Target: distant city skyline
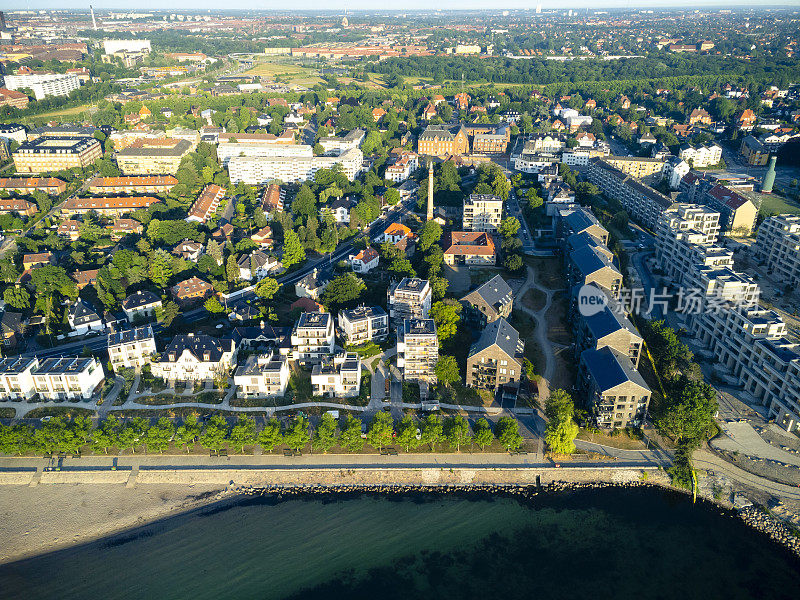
[371, 6]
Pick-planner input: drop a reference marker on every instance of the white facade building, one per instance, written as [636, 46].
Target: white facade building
[312, 337]
[193, 357]
[258, 170]
[131, 348]
[337, 376]
[50, 84]
[482, 212]
[363, 324]
[261, 148]
[262, 376]
[68, 378]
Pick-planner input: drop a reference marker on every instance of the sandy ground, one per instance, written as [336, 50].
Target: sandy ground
[48, 517]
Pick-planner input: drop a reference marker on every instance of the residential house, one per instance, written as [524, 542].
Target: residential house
[191, 290]
[262, 376]
[366, 260]
[85, 278]
[31, 261]
[141, 305]
[488, 302]
[68, 378]
[312, 337]
[263, 237]
[312, 285]
[337, 376]
[495, 360]
[363, 324]
[469, 248]
[256, 265]
[70, 229]
[131, 348]
[123, 227]
[16, 378]
[12, 326]
[194, 357]
[83, 318]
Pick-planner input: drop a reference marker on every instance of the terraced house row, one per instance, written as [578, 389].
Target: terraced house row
[749, 343]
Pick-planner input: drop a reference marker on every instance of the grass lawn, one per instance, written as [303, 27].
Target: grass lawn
[566, 370]
[774, 204]
[458, 393]
[534, 299]
[63, 112]
[548, 271]
[69, 412]
[526, 326]
[284, 69]
[203, 398]
[621, 440]
[479, 276]
[7, 412]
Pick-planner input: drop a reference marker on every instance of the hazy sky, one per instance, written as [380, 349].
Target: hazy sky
[373, 4]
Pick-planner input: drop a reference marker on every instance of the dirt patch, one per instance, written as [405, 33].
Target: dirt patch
[622, 440]
[534, 299]
[549, 271]
[566, 371]
[558, 329]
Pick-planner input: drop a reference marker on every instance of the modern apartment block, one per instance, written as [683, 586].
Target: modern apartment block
[262, 376]
[577, 220]
[482, 212]
[312, 337]
[748, 342]
[68, 378]
[643, 203]
[337, 376]
[417, 350]
[260, 148]
[686, 237]
[643, 168]
[589, 265]
[698, 157]
[335, 145]
[160, 156]
[363, 324]
[259, 170]
[616, 392]
[488, 302]
[47, 154]
[194, 357]
[495, 360]
[411, 298]
[44, 85]
[131, 348]
[778, 247]
[608, 327]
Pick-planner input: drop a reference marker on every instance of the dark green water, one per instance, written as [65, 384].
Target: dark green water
[613, 543]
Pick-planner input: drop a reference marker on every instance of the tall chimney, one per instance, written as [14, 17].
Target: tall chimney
[769, 176]
[94, 21]
[430, 190]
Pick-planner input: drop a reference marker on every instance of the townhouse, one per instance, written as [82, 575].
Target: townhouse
[262, 376]
[704, 155]
[363, 324]
[67, 378]
[142, 184]
[206, 204]
[417, 350]
[273, 198]
[16, 377]
[131, 348]
[337, 376]
[194, 357]
[312, 337]
[482, 212]
[488, 302]
[51, 186]
[410, 298]
[778, 247]
[495, 360]
[107, 206]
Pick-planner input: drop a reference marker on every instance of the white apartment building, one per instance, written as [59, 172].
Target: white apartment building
[114, 46]
[411, 298]
[141, 305]
[194, 357]
[44, 85]
[417, 350]
[68, 378]
[337, 376]
[482, 212]
[778, 246]
[16, 378]
[336, 145]
[259, 170]
[580, 155]
[262, 376]
[363, 324]
[261, 148]
[403, 167]
[312, 337]
[687, 236]
[131, 348]
[705, 155]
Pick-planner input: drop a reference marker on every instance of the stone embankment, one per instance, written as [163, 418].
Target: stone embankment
[769, 525]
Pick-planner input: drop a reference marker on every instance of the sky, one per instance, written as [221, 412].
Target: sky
[392, 5]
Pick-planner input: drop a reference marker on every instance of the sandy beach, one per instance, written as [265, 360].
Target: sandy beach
[49, 517]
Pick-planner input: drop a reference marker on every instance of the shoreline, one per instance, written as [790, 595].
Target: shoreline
[186, 506]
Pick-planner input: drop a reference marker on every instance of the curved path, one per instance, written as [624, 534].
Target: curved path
[706, 460]
[541, 330]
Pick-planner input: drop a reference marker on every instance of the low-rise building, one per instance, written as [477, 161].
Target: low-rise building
[482, 212]
[13, 98]
[194, 357]
[272, 199]
[754, 151]
[46, 154]
[469, 248]
[262, 376]
[495, 360]
[366, 260]
[16, 377]
[312, 285]
[68, 378]
[417, 350]
[27, 185]
[70, 229]
[312, 337]
[141, 305]
[17, 205]
[337, 376]
[83, 318]
[704, 155]
[410, 298]
[141, 184]
[123, 227]
[131, 348]
[363, 324]
[206, 204]
[107, 206]
[737, 212]
[189, 250]
[31, 261]
[191, 290]
[256, 265]
[615, 391]
[488, 302]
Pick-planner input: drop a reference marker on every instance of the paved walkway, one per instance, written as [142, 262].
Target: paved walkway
[741, 437]
[703, 459]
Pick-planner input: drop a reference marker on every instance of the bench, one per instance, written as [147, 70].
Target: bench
[223, 452]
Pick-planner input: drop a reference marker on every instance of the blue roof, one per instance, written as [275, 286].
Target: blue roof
[588, 260]
[609, 368]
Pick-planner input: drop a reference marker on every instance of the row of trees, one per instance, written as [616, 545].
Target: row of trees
[139, 434]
